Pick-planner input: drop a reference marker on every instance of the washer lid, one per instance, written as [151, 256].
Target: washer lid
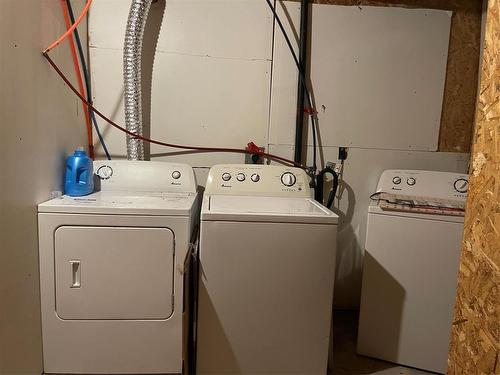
[269, 209]
[171, 204]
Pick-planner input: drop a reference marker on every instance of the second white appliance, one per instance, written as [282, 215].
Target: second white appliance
[410, 270]
[267, 261]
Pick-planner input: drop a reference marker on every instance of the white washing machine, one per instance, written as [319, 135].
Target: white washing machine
[410, 271]
[267, 261]
[112, 271]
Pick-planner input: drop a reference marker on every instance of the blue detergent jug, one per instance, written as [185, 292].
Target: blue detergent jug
[79, 178]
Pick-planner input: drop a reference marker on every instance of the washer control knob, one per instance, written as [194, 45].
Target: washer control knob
[240, 177]
[396, 180]
[105, 172]
[411, 181]
[288, 179]
[226, 176]
[176, 175]
[255, 177]
[461, 185]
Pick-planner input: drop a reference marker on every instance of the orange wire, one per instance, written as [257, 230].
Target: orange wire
[71, 29]
[78, 73]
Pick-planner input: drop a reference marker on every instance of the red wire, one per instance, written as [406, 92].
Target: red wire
[78, 73]
[160, 143]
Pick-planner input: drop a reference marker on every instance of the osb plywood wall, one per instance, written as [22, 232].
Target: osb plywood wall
[463, 63]
[475, 342]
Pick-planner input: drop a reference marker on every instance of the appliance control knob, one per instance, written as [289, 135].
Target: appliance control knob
[176, 175]
[105, 172]
[396, 180]
[255, 177]
[411, 181]
[461, 185]
[288, 179]
[226, 176]
[240, 177]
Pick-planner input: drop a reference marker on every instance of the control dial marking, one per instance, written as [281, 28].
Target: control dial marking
[461, 185]
[288, 179]
[105, 172]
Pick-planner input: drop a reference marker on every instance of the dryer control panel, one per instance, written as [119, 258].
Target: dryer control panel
[433, 184]
[144, 176]
[258, 180]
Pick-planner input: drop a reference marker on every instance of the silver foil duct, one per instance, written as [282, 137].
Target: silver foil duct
[132, 75]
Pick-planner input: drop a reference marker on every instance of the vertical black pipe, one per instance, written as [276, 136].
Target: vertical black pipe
[299, 124]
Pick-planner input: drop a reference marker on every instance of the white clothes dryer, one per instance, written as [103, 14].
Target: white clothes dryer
[267, 264]
[112, 271]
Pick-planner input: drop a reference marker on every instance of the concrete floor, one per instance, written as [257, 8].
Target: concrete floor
[345, 359]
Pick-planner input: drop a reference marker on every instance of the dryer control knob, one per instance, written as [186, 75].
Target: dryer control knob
[461, 185]
[176, 175]
[105, 172]
[226, 176]
[288, 179]
[411, 181]
[240, 177]
[255, 177]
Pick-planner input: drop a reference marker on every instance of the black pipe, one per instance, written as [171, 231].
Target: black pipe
[318, 189]
[299, 124]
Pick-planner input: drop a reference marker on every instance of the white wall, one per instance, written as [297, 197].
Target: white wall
[223, 77]
[211, 73]
[41, 123]
[378, 76]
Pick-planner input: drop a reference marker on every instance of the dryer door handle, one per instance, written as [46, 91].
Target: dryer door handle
[75, 273]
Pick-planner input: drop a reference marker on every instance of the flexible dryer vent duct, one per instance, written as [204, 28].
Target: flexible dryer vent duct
[132, 75]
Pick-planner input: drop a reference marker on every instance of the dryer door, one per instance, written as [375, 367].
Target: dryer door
[118, 273]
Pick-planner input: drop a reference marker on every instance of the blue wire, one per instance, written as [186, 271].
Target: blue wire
[87, 81]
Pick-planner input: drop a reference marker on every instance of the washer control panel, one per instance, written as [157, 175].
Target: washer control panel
[144, 176]
[263, 180]
[433, 184]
